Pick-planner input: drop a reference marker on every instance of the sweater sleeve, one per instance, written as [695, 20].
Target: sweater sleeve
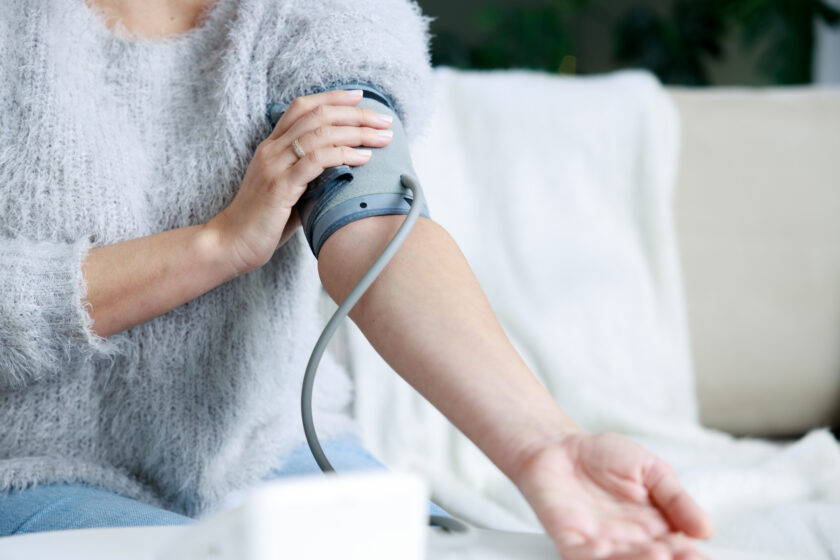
[381, 42]
[45, 327]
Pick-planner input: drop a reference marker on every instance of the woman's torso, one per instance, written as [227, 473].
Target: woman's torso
[104, 137]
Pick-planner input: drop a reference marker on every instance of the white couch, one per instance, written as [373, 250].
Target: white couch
[667, 262]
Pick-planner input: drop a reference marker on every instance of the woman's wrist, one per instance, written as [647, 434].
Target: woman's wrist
[132, 281]
[552, 430]
[236, 248]
[213, 249]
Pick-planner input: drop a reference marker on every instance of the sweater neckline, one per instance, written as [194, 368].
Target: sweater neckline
[207, 19]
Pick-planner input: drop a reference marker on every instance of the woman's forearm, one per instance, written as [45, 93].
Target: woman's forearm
[427, 316]
[133, 281]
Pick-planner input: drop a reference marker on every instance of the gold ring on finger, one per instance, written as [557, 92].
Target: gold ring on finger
[298, 150]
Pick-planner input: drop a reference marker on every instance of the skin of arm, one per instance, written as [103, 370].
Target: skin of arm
[429, 319]
[597, 495]
[444, 339]
[427, 316]
[133, 281]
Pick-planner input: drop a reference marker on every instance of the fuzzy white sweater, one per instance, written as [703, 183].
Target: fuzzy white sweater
[105, 138]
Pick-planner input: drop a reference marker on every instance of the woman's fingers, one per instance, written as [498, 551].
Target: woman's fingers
[641, 552]
[313, 164]
[682, 548]
[328, 126]
[679, 507]
[344, 136]
[305, 104]
[326, 116]
[672, 547]
[609, 550]
[330, 136]
[257, 218]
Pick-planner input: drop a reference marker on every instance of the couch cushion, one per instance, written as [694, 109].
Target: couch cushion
[758, 221]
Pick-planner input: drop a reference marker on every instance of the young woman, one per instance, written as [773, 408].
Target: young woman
[158, 304]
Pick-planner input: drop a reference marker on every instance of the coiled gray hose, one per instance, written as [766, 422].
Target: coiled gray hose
[447, 523]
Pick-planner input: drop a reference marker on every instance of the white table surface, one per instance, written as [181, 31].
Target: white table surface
[141, 543]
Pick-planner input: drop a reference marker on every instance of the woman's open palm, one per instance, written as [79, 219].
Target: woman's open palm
[606, 496]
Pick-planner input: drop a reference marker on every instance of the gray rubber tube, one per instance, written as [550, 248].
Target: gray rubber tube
[447, 523]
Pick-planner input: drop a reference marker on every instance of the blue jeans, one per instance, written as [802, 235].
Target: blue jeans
[76, 506]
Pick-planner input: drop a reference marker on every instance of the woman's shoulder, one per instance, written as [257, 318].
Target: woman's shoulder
[382, 42]
[334, 15]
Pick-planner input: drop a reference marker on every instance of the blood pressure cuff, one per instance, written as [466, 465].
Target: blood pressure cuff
[344, 194]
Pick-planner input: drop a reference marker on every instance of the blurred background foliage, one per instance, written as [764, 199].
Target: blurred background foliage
[686, 42]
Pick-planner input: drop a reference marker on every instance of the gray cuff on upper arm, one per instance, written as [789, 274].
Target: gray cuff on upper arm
[344, 194]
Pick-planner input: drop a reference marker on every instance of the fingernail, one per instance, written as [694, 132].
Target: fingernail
[385, 132]
[363, 153]
[384, 118]
[354, 92]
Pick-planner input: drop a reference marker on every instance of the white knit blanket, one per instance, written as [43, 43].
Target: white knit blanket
[559, 192]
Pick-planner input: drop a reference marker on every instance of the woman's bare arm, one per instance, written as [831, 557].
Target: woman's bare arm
[133, 281]
[597, 495]
[427, 316]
